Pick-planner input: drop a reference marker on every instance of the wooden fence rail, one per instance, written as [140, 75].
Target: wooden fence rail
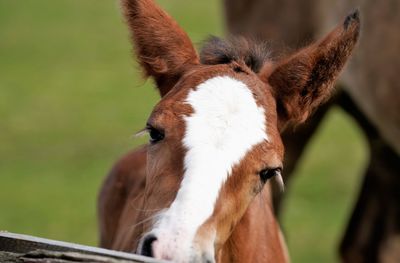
[29, 249]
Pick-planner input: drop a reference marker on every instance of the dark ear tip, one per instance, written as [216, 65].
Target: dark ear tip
[352, 18]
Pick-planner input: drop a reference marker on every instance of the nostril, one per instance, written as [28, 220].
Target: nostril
[147, 248]
[208, 260]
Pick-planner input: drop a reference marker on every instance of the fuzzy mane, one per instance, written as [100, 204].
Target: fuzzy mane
[223, 51]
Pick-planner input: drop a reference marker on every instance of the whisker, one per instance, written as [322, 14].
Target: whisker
[148, 210]
[132, 203]
[133, 206]
[140, 133]
[144, 221]
[279, 181]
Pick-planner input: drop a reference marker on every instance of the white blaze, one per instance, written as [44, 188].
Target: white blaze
[225, 125]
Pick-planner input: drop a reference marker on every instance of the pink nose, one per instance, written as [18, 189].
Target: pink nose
[147, 245]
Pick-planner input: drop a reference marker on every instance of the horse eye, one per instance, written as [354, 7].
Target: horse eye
[155, 134]
[269, 173]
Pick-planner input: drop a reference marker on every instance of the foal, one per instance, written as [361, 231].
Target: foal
[199, 191]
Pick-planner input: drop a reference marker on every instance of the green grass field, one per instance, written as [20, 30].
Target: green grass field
[71, 97]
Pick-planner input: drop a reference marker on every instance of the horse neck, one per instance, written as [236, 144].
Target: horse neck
[257, 236]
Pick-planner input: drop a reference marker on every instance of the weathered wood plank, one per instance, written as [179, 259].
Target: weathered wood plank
[24, 248]
[46, 256]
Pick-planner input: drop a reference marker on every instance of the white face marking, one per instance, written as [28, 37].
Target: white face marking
[225, 125]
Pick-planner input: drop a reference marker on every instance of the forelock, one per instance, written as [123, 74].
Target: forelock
[240, 49]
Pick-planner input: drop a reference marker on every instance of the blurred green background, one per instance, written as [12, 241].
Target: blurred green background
[71, 96]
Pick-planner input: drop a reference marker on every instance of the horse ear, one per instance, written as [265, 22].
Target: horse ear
[163, 49]
[302, 81]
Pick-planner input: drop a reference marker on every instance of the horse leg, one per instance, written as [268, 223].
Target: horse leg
[373, 233]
